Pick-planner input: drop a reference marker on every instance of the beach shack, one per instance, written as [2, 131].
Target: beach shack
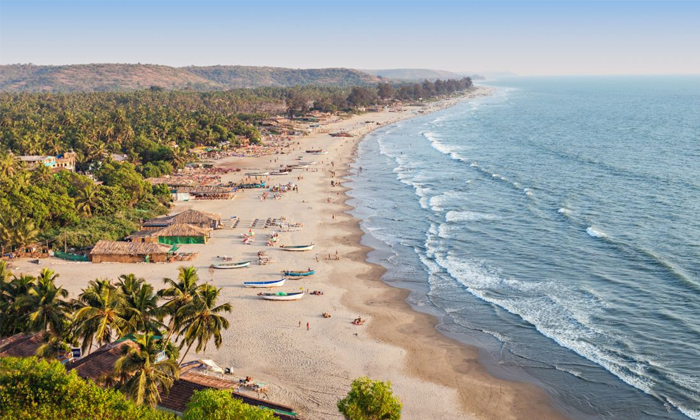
[129, 252]
[190, 382]
[191, 217]
[179, 233]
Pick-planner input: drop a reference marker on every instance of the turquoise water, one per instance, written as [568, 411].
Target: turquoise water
[555, 225]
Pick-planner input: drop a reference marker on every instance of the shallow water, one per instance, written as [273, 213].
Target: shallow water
[554, 224]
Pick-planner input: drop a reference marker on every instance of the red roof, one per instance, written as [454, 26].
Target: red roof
[191, 382]
[100, 362]
[21, 345]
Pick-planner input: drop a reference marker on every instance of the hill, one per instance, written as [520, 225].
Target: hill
[130, 77]
[98, 78]
[414, 74]
[248, 76]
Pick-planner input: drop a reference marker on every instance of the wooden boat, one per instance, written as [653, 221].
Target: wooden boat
[280, 173]
[252, 185]
[230, 266]
[273, 283]
[282, 296]
[298, 248]
[257, 174]
[299, 273]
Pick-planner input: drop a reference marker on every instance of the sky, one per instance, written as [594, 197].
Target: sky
[525, 37]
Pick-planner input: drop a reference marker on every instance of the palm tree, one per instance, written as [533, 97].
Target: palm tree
[5, 295]
[48, 310]
[141, 311]
[180, 293]
[25, 232]
[143, 375]
[8, 165]
[101, 314]
[13, 318]
[200, 321]
[86, 200]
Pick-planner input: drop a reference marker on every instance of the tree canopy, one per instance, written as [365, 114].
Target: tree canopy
[370, 400]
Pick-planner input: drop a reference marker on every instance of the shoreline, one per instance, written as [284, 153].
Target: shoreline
[430, 354]
[435, 376]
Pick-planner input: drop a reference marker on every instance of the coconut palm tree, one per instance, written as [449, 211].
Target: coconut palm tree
[49, 311]
[179, 293]
[13, 318]
[200, 321]
[143, 375]
[101, 314]
[86, 200]
[9, 165]
[141, 311]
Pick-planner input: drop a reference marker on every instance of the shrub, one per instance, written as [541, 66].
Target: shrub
[370, 400]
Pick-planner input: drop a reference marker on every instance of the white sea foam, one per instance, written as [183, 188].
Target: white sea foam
[564, 211]
[467, 216]
[557, 310]
[595, 233]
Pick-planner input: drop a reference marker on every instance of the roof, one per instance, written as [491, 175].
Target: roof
[191, 382]
[21, 345]
[192, 217]
[205, 189]
[177, 229]
[128, 248]
[34, 158]
[100, 362]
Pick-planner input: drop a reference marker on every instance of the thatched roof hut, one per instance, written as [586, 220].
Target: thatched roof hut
[179, 233]
[111, 251]
[191, 217]
[207, 192]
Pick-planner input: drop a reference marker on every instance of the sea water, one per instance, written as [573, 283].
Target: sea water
[555, 225]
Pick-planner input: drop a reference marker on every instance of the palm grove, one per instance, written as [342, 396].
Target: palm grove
[185, 312]
[156, 131]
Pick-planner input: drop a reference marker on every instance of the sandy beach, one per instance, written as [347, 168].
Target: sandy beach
[310, 369]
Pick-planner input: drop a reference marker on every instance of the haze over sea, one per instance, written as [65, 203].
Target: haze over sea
[555, 225]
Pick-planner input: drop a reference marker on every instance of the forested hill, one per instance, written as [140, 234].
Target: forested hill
[248, 76]
[130, 77]
[414, 74]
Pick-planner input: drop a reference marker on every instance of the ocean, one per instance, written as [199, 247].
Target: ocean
[556, 226]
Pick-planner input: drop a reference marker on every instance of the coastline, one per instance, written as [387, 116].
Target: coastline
[430, 355]
[435, 376]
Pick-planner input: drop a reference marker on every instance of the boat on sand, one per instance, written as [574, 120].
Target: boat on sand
[230, 266]
[304, 273]
[260, 284]
[298, 247]
[282, 296]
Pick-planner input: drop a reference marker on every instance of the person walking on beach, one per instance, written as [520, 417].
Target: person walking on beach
[307, 326]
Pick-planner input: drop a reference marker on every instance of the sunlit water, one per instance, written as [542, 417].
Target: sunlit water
[555, 224]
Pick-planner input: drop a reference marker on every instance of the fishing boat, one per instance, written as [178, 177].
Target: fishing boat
[257, 174]
[299, 273]
[252, 185]
[230, 266]
[282, 296]
[259, 284]
[298, 247]
[316, 152]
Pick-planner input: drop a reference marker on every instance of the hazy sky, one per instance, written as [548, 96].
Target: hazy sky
[555, 37]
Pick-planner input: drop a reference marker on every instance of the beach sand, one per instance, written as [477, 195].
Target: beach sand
[434, 376]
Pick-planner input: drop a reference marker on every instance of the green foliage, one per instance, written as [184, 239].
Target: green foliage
[199, 320]
[142, 375]
[213, 404]
[42, 390]
[370, 400]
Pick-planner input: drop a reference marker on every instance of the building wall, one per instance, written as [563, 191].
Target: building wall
[100, 258]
